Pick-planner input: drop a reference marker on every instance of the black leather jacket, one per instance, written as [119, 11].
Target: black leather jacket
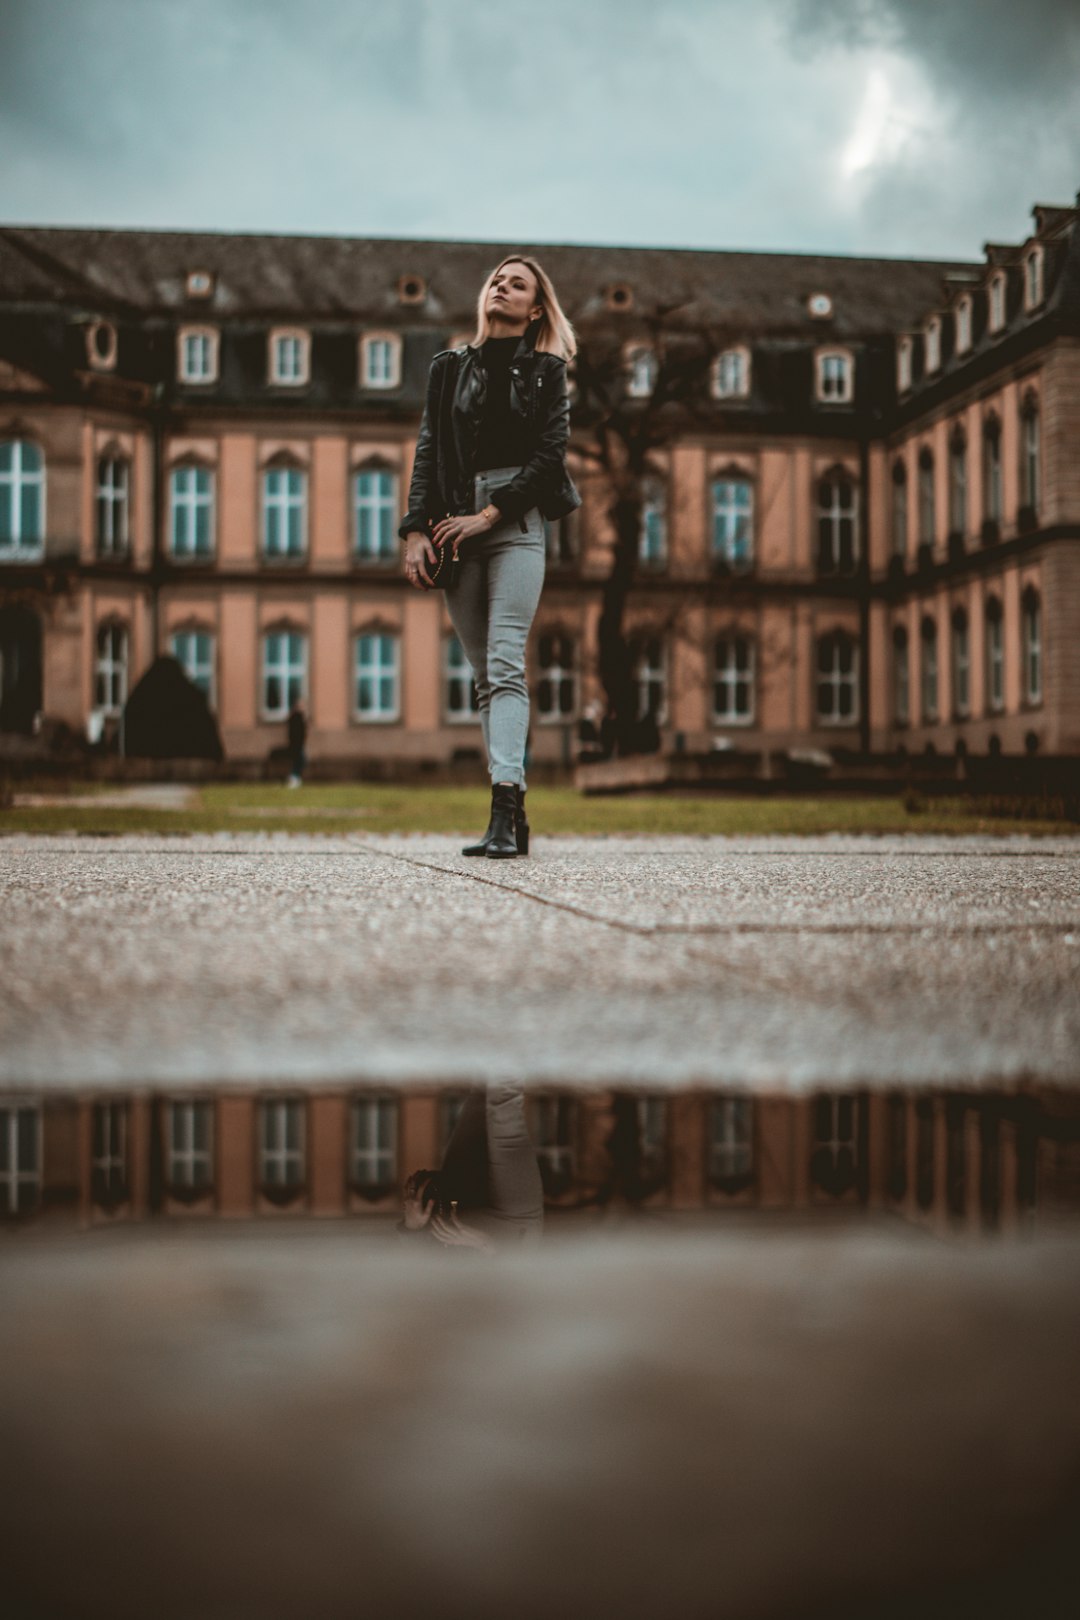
[444, 465]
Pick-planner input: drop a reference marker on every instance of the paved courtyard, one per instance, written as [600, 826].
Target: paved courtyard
[786, 963]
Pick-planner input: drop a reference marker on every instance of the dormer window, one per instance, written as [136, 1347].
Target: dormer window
[933, 345]
[411, 289]
[380, 360]
[904, 350]
[1033, 279]
[199, 284]
[731, 374]
[641, 372]
[834, 377]
[101, 345]
[198, 354]
[997, 302]
[290, 357]
[964, 310]
[820, 306]
[620, 296]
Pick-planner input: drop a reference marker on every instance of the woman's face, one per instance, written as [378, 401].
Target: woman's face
[512, 297]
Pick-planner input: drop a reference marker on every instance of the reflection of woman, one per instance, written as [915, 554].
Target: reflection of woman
[490, 466]
[489, 1172]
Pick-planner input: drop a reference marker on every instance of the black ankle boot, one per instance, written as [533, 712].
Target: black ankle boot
[481, 848]
[521, 823]
[503, 841]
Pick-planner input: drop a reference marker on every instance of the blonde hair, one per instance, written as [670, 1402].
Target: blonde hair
[556, 335]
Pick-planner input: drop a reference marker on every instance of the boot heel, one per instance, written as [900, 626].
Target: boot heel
[521, 825]
[523, 840]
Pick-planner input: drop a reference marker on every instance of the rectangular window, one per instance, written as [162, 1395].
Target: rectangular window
[194, 651]
[1032, 630]
[190, 1144]
[652, 1118]
[109, 1156]
[733, 523]
[731, 1139]
[652, 538]
[197, 357]
[556, 692]
[22, 499]
[961, 669]
[374, 1143]
[899, 513]
[380, 364]
[461, 700]
[837, 681]
[20, 1157]
[284, 511]
[836, 1153]
[992, 496]
[733, 681]
[284, 672]
[837, 525]
[191, 498]
[927, 521]
[375, 506]
[651, 675]
[958, 488]
[112, 506]
[289, 365]
[997, 303]
[281, 1142]
[731, 374]
[376, 696]
[995, 663]
[1030, 479]
[963, 326]
[834, 378]
[111, 669]
[929, 671]
[901, 679]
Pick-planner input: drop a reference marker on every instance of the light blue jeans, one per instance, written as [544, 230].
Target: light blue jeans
[492, 607]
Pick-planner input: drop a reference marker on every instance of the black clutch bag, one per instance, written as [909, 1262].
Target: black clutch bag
[444, 571]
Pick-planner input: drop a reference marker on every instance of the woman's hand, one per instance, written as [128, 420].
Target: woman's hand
[452, 530]
[415, 1213]
[456, 1235]
[418, 552]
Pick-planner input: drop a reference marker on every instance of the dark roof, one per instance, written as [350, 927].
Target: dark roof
[313, 277]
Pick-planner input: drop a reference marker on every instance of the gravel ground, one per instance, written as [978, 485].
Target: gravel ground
[746, 962]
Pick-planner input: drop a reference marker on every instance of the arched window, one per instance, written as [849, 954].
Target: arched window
[901, 677]
[960, 649]
[733, 523]
[652, 537]
[992, 498]
[284, 511]
[958, 484]
[926, 496]
[837, 679]
[1029, 455]
[838, 530]
[556, 690]
[734, 680]
[899, 509]
[995, 656]
[113, 506]
[460, 701]
[928, 647]
[191, 511]
[377, 694]
[285, 663]
[641, 369]
[111, 668]
[375, 506]
[22, 499]
[1031, 623]
[650, 672]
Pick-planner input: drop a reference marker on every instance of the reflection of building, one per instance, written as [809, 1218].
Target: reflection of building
[863, 533]
[972, 1159]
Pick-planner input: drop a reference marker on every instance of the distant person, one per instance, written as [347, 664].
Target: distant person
[297, 736]
[503, 396]
[488, 1193]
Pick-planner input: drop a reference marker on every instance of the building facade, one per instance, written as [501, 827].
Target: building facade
[859, 531]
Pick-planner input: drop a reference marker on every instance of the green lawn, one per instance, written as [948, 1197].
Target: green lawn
[380, 808]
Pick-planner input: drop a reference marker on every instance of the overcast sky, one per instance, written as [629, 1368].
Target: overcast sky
[911, 127]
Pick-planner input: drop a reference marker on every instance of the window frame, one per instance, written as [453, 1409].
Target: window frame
[192, 666]
[634, 355]
[932, 345]
[965, 323]
[193, 501]
[112, 497]
[927, 497]
[654, 505]
[109, 668]
[282, 712]
[994, 637]
[205, 334]
[901, 676]
[280, 1111]
[284, 503]
[366, 346]
[276, 339]
[13, 1175]
[729, 677]
[960, 664]
[721, 386]
[1030, 455]
[993, 487]
[376, 1107]
[12, 485]
[1031, 616]
[558, 676]
[187, 1153]
[380, 507]
[822, 357]
[900, 513]
[110, 1170]
[836, 478]
[725, 557]
[837, 679]
[997, 303]
[650, 676]
[929, 672]
[378, 715]
[1034, 286]
[959, 503]
[905, 368]
[730, 1141]
[452, 674]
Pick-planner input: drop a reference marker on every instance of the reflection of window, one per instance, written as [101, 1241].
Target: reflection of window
[20, 1157]
[191, 504]
[901, 677]
[190, 1144]
[374, 1144]
[961, 665]
[113, 516]
[375, 508]
[835, 1158]
[731, 1139]
[650, 672]
[281, 1142]
[1031, 629]
[733, 680]
[461, 702]
[733, 522]
[899, 510]
[108, 1163]
[554, 1120]
[194, 651]
[284, 511]
[450, 1105]
[284, 672]
[995, 657]
[111, 668]
[377, 660]
[929, 670]
[837, 679]
[837, 527]
[22, 498]
[556, 692]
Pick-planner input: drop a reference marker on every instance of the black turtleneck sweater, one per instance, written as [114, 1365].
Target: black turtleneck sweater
[502, 439]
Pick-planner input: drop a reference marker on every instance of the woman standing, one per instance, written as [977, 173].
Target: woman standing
[490, 465]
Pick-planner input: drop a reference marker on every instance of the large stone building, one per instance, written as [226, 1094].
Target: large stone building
[861, 530]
